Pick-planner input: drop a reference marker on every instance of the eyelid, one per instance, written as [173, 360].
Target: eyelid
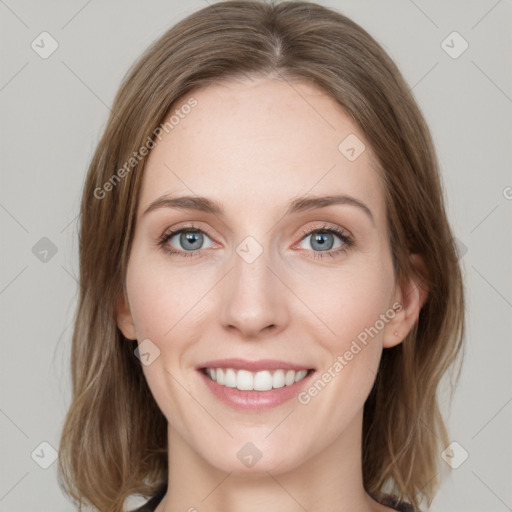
[190, 226]
[327, 227]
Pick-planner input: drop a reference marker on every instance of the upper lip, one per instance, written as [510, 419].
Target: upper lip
[253, 366]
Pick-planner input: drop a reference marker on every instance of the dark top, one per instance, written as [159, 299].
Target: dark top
[151, 505]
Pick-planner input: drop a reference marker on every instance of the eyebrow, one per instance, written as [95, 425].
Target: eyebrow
[297, 205]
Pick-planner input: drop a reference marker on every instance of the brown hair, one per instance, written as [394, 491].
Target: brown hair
[114, 439]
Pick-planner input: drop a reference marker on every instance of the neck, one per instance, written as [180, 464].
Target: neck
[330, 479]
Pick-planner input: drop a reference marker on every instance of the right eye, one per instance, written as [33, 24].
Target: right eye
[189, 240]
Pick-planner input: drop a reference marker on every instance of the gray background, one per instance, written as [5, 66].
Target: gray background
[53, 111]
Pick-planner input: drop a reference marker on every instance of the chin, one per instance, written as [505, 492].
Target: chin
[251, 458]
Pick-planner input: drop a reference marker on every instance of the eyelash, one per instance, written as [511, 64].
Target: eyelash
[348, 242]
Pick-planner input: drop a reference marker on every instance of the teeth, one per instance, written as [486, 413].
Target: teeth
[300, 375]
[262, 381]
[278, 379]
[229, 378]
[255, 381]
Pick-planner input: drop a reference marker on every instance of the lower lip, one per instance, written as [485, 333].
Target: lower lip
[255, 400]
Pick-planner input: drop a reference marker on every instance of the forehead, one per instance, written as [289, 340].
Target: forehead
[261, 141]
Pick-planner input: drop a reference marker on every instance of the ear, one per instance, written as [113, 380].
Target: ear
[124, 318]
[410, 295]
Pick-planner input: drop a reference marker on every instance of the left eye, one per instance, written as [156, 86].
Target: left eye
[323, 240]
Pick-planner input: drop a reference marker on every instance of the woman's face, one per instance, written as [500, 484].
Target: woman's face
[268, 280]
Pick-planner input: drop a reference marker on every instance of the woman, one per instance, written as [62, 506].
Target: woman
[270, 292]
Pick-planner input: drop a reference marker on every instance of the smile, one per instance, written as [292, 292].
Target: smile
[253, 386]
[245, 380]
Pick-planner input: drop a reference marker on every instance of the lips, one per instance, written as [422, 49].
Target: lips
[254, 385]
[253, 366]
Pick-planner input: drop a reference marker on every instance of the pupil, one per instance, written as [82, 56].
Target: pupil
[191, 238]
[320, 239]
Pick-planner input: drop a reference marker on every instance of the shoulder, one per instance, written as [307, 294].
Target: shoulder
[153, 502]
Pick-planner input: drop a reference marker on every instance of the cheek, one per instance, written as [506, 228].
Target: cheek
[165, 305]
[354, 310]
[349, 302]
[163, 298]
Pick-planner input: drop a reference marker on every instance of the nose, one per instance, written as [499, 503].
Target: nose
[254, 299]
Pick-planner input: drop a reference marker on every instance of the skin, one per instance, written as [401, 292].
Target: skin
[253, 146]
